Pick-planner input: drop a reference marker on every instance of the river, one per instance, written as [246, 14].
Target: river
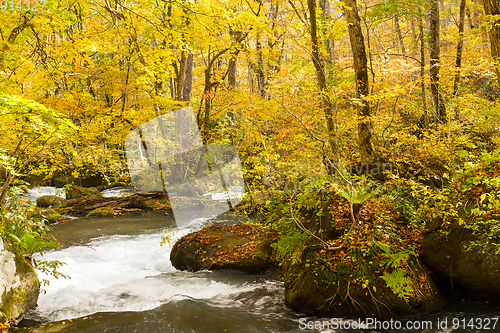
[121, 280]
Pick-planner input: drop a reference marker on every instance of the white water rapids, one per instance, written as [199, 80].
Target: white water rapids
[123, 273]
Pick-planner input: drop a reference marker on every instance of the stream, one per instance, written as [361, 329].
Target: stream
[121, 280]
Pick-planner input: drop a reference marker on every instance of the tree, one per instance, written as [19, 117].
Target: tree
[435, 65]
[422, 68]
[492, 9]
[362, 85]
[460, 46]
[326, 104]
[29, 130]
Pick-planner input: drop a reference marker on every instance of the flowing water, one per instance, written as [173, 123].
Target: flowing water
[121, 280]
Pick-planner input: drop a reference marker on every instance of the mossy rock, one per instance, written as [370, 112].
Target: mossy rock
[154, 204]
[52, 215]
[75, 192]
[463, 257]
[244, 247]
[48, 200]
[101, 211]
[19, 285]
[116, 184]
[329, 286]
[148, 205]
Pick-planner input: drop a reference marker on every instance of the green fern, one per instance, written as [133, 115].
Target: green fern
[359, 193]
[399, 283]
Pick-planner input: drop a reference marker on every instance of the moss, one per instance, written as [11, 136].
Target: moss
[116, 184]
[233, 241]
[101, 211]
[352, 286]
[149, 205]
[19, 300]
[53, 218]
[74, 192]
[241, 247]
[48, 200]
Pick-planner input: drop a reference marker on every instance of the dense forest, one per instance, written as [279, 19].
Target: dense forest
[362, 127]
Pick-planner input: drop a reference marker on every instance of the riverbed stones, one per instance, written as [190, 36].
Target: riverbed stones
[19, 285]
[244, 247]
[460, 256]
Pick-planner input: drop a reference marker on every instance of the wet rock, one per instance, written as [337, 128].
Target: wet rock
[48, 200]
[460, 256]
[244, 247]
[19, 285]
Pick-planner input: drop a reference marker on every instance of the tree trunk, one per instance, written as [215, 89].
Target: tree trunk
[400, 34]
[492, 7]
[460, 45]
[469, 18]
[185, 77]
[25, 22]
[362, 85]
[231, 76]
[321, 76]
[259, 69]
[329, 44]
[422, 71]
[233, 60]
[435, 61]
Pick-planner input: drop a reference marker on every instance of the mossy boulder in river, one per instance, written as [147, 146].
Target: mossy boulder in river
[75, 192]
[354, 285]
[244, 247]
[466, 257]
[48, 200]
[19, 286]
[372, 269]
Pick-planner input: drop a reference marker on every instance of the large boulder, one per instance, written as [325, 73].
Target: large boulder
[353, 284]
[463, 257]
[244, 247]
[75, 192]
[48, 200]
[19, 285]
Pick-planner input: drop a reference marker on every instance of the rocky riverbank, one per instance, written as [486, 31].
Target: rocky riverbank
[18, 285]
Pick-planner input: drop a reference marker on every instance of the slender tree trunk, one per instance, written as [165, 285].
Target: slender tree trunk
[321, 76]
[400, 34]
[231, 76]
[492, 7]
[422, 70]
[328, 43]
[185, 77]
[435, 61]
[25, 22]
[469, 18]
[362, 84]
[259, 69]
[460, 45]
